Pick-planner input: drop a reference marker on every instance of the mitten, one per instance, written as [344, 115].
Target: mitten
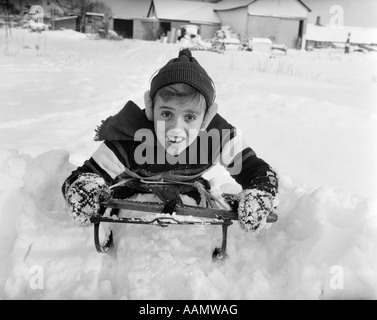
[254, 207]
[84, 196]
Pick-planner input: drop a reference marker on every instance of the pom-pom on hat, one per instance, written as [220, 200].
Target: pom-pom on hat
[184, 69]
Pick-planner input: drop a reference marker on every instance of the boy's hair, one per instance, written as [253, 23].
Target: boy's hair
[186, 93]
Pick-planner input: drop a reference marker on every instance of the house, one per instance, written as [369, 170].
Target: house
[281, 21]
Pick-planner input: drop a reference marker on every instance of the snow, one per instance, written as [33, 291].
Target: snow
[329, 33]
[311, 115]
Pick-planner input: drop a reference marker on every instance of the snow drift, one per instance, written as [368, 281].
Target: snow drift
[322, 247]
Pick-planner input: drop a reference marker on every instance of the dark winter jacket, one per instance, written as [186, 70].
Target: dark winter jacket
[125, 152]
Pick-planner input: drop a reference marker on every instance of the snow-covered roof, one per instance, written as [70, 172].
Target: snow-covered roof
[330, 33]
[94, 14]
[65, 18]
[279, 8]
[130, 9]
[273, 8]
[232, 4]
[192, 11]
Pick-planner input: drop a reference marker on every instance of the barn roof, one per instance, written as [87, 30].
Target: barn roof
[281, 8]
[232, 4]
[192, 11]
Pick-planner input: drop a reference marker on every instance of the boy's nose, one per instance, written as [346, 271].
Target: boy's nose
[178, 123]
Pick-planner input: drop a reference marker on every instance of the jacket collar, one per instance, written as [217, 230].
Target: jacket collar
[124, 124]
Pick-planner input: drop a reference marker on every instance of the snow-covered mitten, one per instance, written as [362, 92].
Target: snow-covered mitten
[254, 207]
[84, 196]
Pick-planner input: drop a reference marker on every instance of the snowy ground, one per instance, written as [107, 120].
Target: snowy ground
[311, 115]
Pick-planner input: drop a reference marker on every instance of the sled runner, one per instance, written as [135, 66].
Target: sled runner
[170, 209]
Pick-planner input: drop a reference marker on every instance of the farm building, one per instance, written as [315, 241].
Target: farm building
[70, 23]
[282, 21]
[93, 22]
[173, 14]
[150, 19]
[323, 36]
[130, 20]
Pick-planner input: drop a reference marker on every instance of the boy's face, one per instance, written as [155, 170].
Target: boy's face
[176, 123]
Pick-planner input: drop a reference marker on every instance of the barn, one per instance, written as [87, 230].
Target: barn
[282, 21]
[130, 20]
[173, 14]
[150, 19]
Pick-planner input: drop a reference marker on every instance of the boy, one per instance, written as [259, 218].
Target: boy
[178, 136]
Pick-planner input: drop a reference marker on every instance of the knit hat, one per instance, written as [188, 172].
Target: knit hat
[184, 69]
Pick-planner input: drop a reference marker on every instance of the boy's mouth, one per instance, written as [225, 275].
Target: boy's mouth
[174, 139]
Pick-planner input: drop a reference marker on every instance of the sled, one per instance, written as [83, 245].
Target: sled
[169, 210]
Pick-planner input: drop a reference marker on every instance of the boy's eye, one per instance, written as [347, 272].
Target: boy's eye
[190, 117]
[166, 114]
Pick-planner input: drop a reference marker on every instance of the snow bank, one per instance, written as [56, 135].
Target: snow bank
[322, 247]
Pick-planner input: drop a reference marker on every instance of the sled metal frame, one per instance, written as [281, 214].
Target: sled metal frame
[214, 216]
[171, 204]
